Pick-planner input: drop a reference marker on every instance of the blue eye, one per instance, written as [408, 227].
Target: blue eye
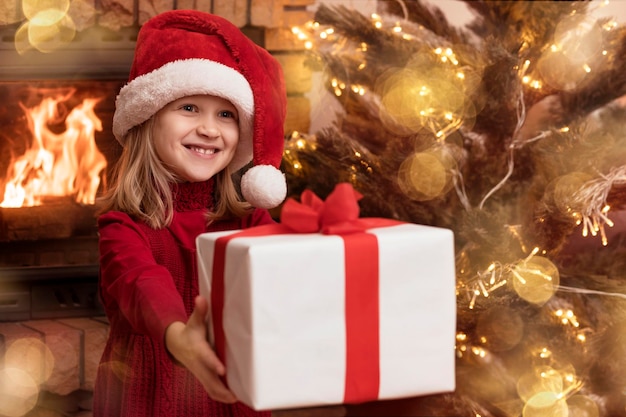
[188, 107]
[227, 113]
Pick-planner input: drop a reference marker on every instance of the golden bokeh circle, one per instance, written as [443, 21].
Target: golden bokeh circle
[402, 94]
[539, 379]
[574, 53]
[545, 404]
[18, 392]
[31, 8]
[427, 94]
[426, 175]
[561, 192]
[558, 71]
[579, 35]
[32, 356]
[21, 42]
[50, 30]
[536, 280]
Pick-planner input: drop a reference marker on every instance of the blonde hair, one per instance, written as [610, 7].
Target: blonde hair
[141, 185]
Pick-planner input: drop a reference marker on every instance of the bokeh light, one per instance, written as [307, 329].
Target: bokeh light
[540, 379]
[536, 279]
[548, 392]
[427, 175]
[18, 392]
[561, 191]
[431, 92]
[545, 404]
[47, 28]
[576, 49]
[32, 356]
[31, 8]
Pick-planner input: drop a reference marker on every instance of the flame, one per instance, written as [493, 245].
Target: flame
[57, 164]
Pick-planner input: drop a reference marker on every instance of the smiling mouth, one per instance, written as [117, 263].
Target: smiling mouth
[202, 151]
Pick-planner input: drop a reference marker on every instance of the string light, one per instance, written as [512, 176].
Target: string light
[377, 21]
[610, 25]
[567, 317]
[446, 55]
[295, 143]
[537, 268]
[478, 351]
[529, 81]
[592, 197]
[486, 282]
[358, 89]
[326, 33]
[544, 353]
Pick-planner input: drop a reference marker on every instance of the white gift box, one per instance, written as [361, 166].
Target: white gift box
[284, 315]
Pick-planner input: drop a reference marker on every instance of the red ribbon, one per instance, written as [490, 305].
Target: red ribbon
[338, 215]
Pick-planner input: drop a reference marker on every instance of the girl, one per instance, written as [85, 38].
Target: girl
[201, 102]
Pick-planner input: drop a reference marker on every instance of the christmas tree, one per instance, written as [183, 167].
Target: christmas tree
[509, 131]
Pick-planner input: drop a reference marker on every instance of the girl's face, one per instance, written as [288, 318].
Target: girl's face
[196, 136]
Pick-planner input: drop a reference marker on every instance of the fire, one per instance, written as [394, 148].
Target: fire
[57, 164]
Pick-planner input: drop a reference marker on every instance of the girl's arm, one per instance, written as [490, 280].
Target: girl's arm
[187, 343]
[132, 281]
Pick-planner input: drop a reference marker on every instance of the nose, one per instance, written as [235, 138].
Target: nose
[207, 127]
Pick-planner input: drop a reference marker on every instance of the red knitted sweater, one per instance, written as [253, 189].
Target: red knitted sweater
[148, 279]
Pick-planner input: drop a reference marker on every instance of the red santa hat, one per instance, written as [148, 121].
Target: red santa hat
[187, 52]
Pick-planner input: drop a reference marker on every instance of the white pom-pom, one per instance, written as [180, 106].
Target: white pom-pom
[264, 186]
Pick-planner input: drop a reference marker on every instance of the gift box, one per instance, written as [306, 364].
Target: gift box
[323, 312]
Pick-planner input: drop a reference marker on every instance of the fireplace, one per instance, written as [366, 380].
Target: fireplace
[55, 152]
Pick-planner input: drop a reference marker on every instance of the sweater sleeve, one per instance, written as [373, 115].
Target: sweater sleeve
[130, 278]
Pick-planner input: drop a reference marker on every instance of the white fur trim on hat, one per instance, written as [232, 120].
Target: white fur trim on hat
[148, 93]
[264, 186]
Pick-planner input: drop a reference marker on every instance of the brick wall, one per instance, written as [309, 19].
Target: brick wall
[277, 17]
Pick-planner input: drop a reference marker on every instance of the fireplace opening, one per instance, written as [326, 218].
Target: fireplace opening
[56, 149]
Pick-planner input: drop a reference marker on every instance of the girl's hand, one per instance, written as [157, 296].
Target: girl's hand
[187, 343]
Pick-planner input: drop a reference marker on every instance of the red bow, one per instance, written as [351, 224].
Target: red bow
[338, 214]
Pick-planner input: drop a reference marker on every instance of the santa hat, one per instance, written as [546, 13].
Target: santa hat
[187, 52]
